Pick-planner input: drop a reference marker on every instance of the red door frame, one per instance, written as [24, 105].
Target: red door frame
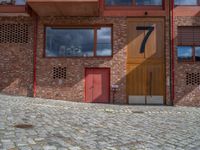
[103, 68]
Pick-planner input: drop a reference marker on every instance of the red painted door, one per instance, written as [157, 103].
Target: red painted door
[97, 85]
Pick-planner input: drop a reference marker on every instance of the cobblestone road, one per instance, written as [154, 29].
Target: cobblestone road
[76, 126]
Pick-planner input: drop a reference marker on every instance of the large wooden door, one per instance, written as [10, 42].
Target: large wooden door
[97, 85]
[145, 61]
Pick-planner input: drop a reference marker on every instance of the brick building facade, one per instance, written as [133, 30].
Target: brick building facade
[155, 76]
[16, 64]
[187, 90]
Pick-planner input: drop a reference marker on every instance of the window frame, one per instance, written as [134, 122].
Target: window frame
[133, 6]
[94, 27]
[195, 53]
[198, 3]
[190, 44]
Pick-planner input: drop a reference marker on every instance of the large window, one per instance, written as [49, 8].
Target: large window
[78, 42]
[189, 43]
[186, 2]
[133, 2]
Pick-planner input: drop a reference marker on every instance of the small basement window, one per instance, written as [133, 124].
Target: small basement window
[197, 53]
[184, 53]
[20, 2]
[149, 2]
[78, 42]
[133, 2]
[186, 2]
[118, 2]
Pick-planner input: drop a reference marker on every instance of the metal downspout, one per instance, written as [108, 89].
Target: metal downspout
[35, 54]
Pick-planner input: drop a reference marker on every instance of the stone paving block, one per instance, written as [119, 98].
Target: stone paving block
[75, 148]
[25, 148]
[21, 144]
[39, 139]
[31, 141]
[62, 148]
[49, 147]
[36, 147]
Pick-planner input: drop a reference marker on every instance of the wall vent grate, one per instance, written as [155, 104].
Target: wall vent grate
[59, 72]
[192, 78]
[14, 33]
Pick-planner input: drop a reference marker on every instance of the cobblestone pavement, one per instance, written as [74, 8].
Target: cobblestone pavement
[76, 126]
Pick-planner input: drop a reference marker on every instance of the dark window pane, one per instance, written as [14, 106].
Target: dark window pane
[184, 53]
[104, 45]
[197, 53]
[118, 2]
[69, 42]
[149, 2]
[186, 2]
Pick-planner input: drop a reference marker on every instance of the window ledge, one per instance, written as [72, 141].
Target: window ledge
[12, 9]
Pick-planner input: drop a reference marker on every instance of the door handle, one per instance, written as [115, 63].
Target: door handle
[150, 83]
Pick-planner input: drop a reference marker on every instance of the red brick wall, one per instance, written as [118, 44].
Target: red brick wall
[186, 95]
[16, 62]
[72, 88]
[18, 80]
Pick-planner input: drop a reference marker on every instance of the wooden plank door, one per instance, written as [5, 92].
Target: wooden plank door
[97, 85]
[145, 61]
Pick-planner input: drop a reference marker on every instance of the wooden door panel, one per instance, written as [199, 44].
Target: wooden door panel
[155, 43]
[151, 45]
[134, 40]
[160, 39]
[145, 71]
[136, 74]
[155, 80]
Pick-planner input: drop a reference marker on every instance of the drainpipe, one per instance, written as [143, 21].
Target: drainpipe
[35, 53]
[172, 53]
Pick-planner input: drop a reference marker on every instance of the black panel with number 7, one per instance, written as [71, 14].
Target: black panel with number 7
[150, 30]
